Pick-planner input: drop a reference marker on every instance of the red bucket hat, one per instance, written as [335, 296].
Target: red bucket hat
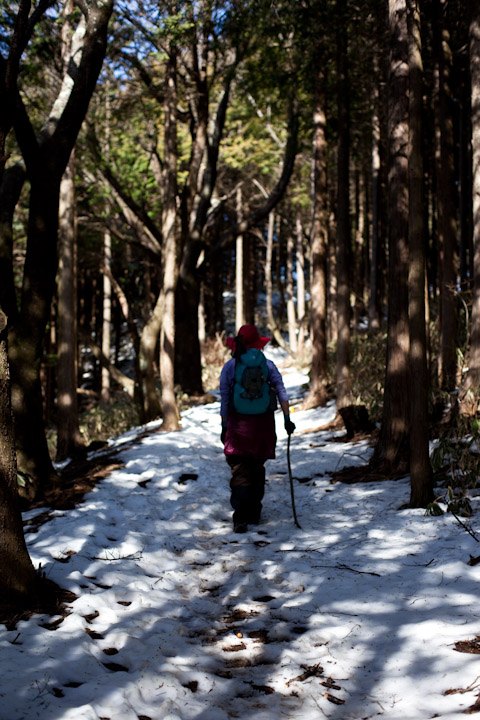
[250, 338]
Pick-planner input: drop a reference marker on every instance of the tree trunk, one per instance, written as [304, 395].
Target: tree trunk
[318, 251]
[149, 338]
[188, 367]
[138, 386]
[332, 326]
[391, 454]
[27, 336]
[360, 248]
[291, 315]
[374, 309]
[107, 285]
[170, 412]
[69, 439]
[344, 394]
[46, 157]
[10, 188]
[17, 574]
[239, 269]
[473, 377]
[465, 175]
[250, 263]
[300, 264]
[271, 321]
[106, 317]
[421, 481]
[446, 192]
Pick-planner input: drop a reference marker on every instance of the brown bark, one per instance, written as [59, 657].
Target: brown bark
[251, 263]
[421, 482]
[271, 320]
[318, 249]
[291, 314]
[26, 337]
[343, 380]
[105, 395]
[473, 378]
[46, 157]
[374, 309]
[106, 318]
[151, 408]
[361, 267]
[300, 266]
[239, 268]
[69, 439]
[391, 453]
[446, 191]
[170, 412]
[17, 574]
[10, 188]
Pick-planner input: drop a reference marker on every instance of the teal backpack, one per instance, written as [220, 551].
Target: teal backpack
[252, 394]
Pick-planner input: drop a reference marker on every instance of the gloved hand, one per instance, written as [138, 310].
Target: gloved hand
[289, 425]
[224, 432]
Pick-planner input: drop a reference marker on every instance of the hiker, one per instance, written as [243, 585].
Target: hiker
[249, 387]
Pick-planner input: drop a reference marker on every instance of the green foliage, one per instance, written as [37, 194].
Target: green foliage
[25, 485]
[456, 503]
[434, 509]
[456, 459]
[247, 146]
[456, 464]
[97, 423]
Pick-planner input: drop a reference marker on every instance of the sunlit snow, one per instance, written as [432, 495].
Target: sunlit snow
[354, 616]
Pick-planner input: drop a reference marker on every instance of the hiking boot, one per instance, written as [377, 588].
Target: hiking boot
[240, 527]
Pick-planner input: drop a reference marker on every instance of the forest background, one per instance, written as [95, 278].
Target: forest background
[159, 158]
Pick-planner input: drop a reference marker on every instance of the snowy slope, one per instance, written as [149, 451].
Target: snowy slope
[354, 616]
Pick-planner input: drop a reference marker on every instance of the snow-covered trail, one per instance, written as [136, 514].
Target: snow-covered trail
[177, 618]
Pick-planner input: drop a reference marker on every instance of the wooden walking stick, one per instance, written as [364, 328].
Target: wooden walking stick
[291, 482]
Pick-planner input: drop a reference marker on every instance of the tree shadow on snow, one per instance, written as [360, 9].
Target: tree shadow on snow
[268, 626]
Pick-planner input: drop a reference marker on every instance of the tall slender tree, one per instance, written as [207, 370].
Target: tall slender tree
[17, 575]
[289, 288]
[300, 267]
[343, 383]
[473, 378]
[446, 198]
[391, 453]
[420, 468]
[69, 439]
[318, 237]
[46, 155]
[374, 310]
[170, 412]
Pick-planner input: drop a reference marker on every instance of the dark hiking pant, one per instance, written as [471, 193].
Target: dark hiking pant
[247, 486]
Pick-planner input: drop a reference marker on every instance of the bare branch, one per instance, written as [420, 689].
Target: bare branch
[268, 125]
